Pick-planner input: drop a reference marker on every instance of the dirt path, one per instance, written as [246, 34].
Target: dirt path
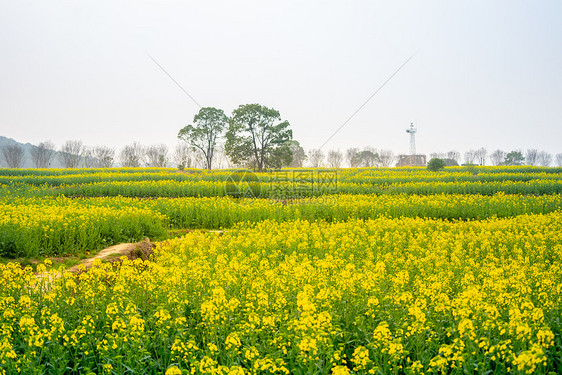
[131, 250]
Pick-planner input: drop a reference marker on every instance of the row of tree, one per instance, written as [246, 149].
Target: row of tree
[354, 157]
[499, 157]
[256, 137]
[74, 154]
[253, 137]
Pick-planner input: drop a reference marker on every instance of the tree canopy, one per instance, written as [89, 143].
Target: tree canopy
[256, 136]
[436, 164]
[514, 158]
[209, 125]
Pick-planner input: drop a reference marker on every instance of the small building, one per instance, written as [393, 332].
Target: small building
[411, 161]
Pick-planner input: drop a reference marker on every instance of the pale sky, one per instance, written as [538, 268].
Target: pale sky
[486, 73]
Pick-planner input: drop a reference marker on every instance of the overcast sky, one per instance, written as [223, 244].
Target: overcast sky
[486, 73]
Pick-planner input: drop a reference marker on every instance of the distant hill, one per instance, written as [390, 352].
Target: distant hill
[27, 147]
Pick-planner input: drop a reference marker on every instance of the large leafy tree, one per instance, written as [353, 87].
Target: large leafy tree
[514, 158]
[208, 126]
[257, 136]
[436, 164]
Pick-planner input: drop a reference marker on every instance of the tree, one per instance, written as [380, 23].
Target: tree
[13, 155]
[559, 160]
[366, 159]
[544, 159]
[257, 135]
[454, 155]
[87, 158]
[532, 156]
[436, 164]
[335, 159]
[220, 159]
[315, 158]
[42, 154]
[182, 156]
[104, 156]
[350, 156]
[157, 156]
[209, 125]
[514, 158]
[449, 161]
[498, 157]
[470, 157]
[71, 154]
[387, 158]
[480, 155]
[131, 156]
[299, 156]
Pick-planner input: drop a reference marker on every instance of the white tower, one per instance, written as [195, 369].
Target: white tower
[412, 132]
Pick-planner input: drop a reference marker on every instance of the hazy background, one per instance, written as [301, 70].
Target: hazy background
[486, 74]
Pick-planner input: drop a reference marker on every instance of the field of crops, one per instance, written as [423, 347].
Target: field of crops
[354, 271]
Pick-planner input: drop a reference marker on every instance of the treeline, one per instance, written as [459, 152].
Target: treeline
[532, 156]
[254, 136]
[75, 154]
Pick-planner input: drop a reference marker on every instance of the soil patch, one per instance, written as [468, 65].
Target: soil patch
[133, 250]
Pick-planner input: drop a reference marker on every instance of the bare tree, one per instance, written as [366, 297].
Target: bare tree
[299, 156]
[43, 154]
[71, 154]
[544, 159]
[87, 158]
[335, 159]
[387, 158]
[157, 156]
[480, 155]
[182, 156]
[104, 156]
[371, 157]
[13, 154]
[450, 158]
[454, 155]
[470, 157]
[350, 156]
[198, 161]
[366, 158]
[532, 156]
[132, 155]
[221, 159]
[559, 160]
[498, 157]
[316, 158]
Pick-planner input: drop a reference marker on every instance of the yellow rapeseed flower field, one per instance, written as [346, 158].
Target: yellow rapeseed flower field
[399, 272]
[389, 295]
